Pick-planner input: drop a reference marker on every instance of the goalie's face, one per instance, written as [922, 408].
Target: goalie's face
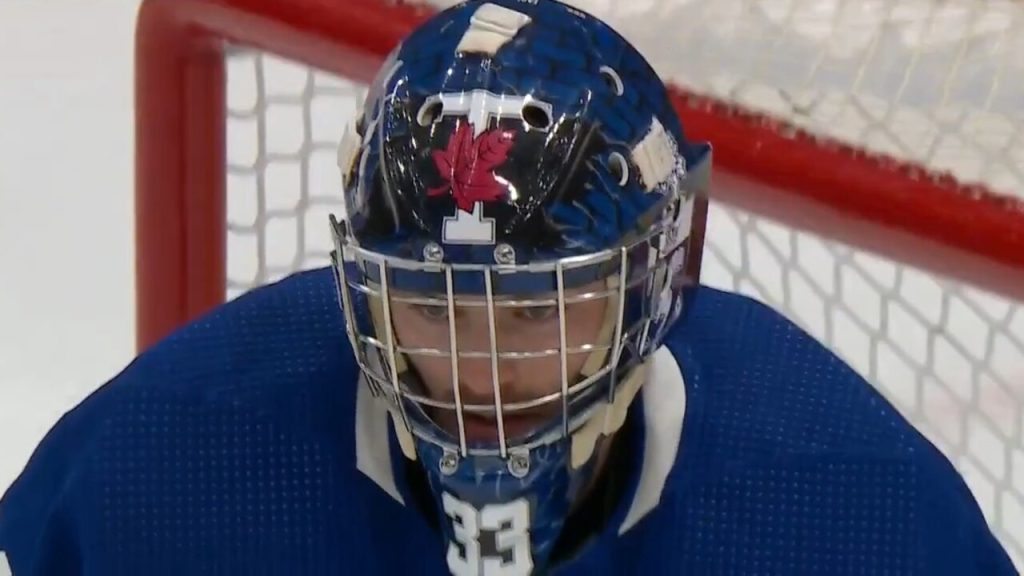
[525, 353]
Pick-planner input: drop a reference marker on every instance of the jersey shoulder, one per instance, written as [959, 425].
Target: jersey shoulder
[263, 354]
[265, 343]
[781, 388]
[233, 437]
[788, 451]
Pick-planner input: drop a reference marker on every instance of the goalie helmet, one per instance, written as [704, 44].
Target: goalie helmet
[519, 200]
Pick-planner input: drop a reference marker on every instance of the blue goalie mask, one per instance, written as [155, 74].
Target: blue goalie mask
[523, 212]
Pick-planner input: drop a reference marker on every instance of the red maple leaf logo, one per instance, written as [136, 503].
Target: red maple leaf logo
[467, 166]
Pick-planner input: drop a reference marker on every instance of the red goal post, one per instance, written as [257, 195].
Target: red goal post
[180, 120]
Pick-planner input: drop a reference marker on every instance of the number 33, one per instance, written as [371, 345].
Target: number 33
[509, 521]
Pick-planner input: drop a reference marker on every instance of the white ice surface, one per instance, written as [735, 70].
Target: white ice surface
[66, 239]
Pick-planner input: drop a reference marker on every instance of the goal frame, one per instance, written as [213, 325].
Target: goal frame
[874, 202]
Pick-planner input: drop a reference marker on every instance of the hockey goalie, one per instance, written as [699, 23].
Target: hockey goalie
[508, 369]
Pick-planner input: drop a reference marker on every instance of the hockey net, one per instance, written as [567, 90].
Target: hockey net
[869, 177]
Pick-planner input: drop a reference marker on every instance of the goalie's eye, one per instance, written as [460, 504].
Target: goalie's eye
[432, 312]
[538, 313]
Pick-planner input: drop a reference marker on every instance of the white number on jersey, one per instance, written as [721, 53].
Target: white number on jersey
[5, 568]
[510, 523]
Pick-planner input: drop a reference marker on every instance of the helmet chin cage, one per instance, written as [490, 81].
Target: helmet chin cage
[511, 158]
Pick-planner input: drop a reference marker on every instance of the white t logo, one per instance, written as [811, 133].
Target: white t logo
[472, 228]
[482, 106]
[5, 567]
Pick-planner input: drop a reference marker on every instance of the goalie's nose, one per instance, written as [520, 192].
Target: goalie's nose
[476, 381]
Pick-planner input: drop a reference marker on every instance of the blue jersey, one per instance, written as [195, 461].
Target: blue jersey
[242, 444]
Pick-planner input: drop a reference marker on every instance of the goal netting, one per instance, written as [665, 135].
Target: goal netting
[869, 184]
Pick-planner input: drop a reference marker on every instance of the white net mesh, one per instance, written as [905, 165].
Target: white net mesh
[935, 82]
[932, 81]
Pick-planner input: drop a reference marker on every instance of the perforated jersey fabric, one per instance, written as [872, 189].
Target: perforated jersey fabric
[229, 449]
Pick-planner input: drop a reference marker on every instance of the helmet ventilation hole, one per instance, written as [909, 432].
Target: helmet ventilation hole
[430, 112]
[536, 117]
[619, 168]
[614, 81]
